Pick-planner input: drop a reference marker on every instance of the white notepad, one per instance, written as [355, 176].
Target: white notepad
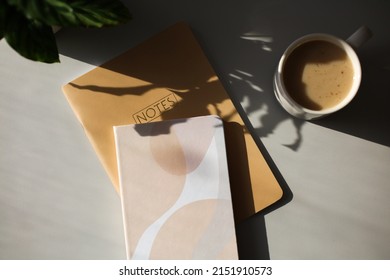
[175, 190]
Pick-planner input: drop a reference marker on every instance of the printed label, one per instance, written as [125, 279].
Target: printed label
[155, 110]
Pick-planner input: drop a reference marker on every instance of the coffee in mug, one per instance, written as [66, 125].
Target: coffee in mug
[317, 75]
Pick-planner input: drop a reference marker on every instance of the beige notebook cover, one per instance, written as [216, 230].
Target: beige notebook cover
[169, 77]
[175, 190]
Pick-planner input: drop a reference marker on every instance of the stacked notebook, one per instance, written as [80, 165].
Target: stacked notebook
[166, 78]
[175, 190]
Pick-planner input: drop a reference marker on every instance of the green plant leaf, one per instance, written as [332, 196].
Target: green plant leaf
[26, 24]
[86, 13]
[31, 39]
[101, 13]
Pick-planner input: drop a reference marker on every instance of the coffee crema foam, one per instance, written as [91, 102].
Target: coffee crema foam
[318, 75]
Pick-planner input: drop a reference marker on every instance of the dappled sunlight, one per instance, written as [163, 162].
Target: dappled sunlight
[261, 114]
[252, 78]
[212, 79]
[245, 77]
[263, 40]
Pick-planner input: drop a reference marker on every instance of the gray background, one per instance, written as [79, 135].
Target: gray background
[56, 202]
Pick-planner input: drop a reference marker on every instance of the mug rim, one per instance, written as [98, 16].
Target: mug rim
[336, 41]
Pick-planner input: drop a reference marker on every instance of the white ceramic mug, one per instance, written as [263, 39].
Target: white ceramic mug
[348, 46]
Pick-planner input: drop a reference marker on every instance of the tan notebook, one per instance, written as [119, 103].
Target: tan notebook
[169, 77]
[175, 190]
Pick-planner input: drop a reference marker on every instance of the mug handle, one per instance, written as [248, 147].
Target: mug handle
[359, 37]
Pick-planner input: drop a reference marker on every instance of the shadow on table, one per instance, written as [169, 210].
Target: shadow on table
[368, 115]
[244, 60]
